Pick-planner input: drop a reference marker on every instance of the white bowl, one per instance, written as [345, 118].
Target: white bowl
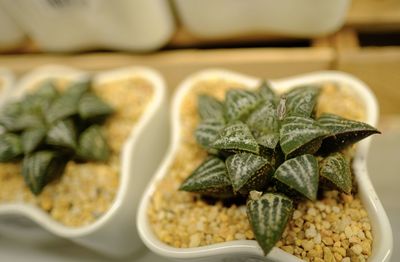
[228, 18]
[114, 233]
[240, 250]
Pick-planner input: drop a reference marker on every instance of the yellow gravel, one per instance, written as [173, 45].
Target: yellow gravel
[86, 190]
[334, 228]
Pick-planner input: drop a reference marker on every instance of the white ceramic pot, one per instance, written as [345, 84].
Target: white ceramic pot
[114, 233]
[6, 83]
[228, 18]
[140, 25]
[242, 250]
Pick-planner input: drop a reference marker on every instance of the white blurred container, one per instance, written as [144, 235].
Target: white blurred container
[11, 35]
[227, 18]
[71, 25]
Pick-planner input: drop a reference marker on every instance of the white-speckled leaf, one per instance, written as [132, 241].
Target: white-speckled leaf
[336, 170]
[267, 93]
[300, 174]
[209, 178]
[301, 135]
[40, 168]
[91, 106]
[32, 138]
[239, 103]
[301, 101]
[62, 133]
[10, 147]
[236, 137]
[93, 145]
[207, 131]
[268, 217]
[264, 124]
[343, 132]
[210, 108]
[242, 167]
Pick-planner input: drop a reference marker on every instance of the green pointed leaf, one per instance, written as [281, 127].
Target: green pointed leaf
[93, 145]
[9, 113]
[268, 217]
[67, 104]
[91, 106]
[47, 89]
[343, 132]
[301, 101]
[210, 178]
[236, 137]
[62, 133]
[244, 167]
[10, 147]
[267, 93]
[210, 108]
[336, 170]
[32, 138]
[239, 103]
[300, 135]
[264, 124]
[40, 168]
[29, 120]
[300, 174]
[207, 132]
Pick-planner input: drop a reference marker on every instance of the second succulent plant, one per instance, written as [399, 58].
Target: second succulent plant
[273, 151]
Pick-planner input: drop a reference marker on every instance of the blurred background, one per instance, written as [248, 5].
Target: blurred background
[264, 38]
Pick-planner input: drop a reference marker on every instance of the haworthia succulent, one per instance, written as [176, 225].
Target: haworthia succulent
[207, 131]
[91, 106]
[301, 101]
[343, 132]
[268, 217]
[336, 170]
[209, 178]
[47, 89]
[78, 88]
[93, 145]
[244, 167]
[62, 107]
[301, 135]
[28, 120]
[62, 133]
[239, 103]
[267, 93]
[41, 167]
[300, 174]
[264, 124]
[10, 147]
[236, 137]
[210, 108]
[8, 114]
[32, 138]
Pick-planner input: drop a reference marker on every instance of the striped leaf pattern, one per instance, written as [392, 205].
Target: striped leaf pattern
[239, 103]
[91, 106]
[343, 132]
[244, 166]
[236, 137]
[32, 138]
[207, 131]
[209, 178]
[10, 147]
[336, 170]
[93, 145]
[40, 168]
[264, 124]
[62, 133]
[266, 92]
[301, 135]
[300, 174]
[210, 108]
[301, 101]
[268, 217]
[63, 107]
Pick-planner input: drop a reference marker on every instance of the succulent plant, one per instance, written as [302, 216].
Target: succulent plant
[46, 129]
[273, 151]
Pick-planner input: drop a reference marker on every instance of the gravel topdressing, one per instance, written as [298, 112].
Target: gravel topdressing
[334, 228]
[86, 190]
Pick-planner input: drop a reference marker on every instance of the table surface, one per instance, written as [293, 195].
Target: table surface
[384, 168]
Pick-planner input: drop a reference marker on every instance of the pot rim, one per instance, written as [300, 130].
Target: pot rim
[41, 217]
[383, 239]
